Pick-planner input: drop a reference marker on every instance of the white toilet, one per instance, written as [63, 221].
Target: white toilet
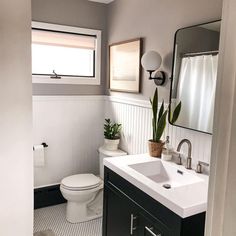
[84, 192]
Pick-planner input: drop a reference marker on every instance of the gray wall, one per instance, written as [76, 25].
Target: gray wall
[81, 13]
[156, 21]
[16, 169]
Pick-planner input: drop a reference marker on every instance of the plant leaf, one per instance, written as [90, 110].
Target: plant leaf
[155, 104]
[150, 101]
[161, 111]
[161, 126]
[153, 129]
[107, 120]
[176, 113]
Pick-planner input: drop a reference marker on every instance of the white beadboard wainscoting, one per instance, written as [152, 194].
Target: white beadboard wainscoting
[72, 126]
[135, 117]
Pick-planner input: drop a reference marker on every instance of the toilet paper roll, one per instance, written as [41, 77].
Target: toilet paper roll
[39, 157]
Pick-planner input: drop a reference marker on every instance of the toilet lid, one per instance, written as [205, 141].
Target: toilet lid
[81, 181]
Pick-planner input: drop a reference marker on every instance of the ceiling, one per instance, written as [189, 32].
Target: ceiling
[102, 1]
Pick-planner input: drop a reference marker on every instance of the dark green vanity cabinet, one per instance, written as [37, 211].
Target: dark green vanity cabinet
[130, 211]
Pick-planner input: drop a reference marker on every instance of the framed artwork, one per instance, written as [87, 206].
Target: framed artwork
[125, 68]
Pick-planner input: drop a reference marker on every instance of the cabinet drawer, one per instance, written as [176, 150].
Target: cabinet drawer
[149, 226]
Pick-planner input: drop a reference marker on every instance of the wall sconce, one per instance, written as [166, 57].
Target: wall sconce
[151, 61]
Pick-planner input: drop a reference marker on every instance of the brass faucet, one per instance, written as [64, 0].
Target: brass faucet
[189, 159]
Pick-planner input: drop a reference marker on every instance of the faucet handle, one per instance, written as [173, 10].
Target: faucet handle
[199, 166]
[179, 160]
[203, 163]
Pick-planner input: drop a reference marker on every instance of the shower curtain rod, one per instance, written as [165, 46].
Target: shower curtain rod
[200, 53]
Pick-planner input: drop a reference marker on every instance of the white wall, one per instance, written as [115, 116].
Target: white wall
[72, 126]
[135, 116]
[16, 168]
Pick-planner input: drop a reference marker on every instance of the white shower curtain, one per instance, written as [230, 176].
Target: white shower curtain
[196, 90]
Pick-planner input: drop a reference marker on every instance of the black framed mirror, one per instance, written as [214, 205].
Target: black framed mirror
[194, 74]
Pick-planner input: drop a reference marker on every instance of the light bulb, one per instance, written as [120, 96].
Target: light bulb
[151, 61]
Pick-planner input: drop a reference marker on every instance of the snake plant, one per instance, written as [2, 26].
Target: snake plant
[159, 117]
[111, 130]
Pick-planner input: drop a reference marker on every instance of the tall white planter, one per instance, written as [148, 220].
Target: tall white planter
[111, 144]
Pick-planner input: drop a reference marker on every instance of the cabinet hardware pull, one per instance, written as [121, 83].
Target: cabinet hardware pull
[132, 228]
[151, 232]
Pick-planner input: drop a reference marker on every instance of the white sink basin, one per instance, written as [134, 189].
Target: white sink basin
[165, 174]
[188, 193]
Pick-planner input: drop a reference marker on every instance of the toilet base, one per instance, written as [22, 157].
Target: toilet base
[78, 213]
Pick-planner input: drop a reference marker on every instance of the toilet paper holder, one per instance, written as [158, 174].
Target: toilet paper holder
[44, 145]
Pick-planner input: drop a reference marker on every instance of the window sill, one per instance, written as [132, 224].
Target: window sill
[66, 80]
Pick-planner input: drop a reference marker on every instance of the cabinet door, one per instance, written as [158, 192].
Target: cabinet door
[149, 226]
[121, 215]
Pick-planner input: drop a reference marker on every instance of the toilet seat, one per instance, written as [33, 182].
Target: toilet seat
[81, 182]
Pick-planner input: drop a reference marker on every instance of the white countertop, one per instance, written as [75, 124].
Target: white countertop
[185, 201]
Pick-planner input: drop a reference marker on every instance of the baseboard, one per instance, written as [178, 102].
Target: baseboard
[48, 196]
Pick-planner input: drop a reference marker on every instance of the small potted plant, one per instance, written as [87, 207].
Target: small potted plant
[159, 124]
[111, 135]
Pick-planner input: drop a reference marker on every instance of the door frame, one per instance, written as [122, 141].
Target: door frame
[221, 214]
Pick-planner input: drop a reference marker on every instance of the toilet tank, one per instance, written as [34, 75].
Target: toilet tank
[103, 153]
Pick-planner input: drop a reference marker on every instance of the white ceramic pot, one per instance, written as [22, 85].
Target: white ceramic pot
[111, 144]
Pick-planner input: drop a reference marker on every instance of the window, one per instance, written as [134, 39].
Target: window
[65, 55]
